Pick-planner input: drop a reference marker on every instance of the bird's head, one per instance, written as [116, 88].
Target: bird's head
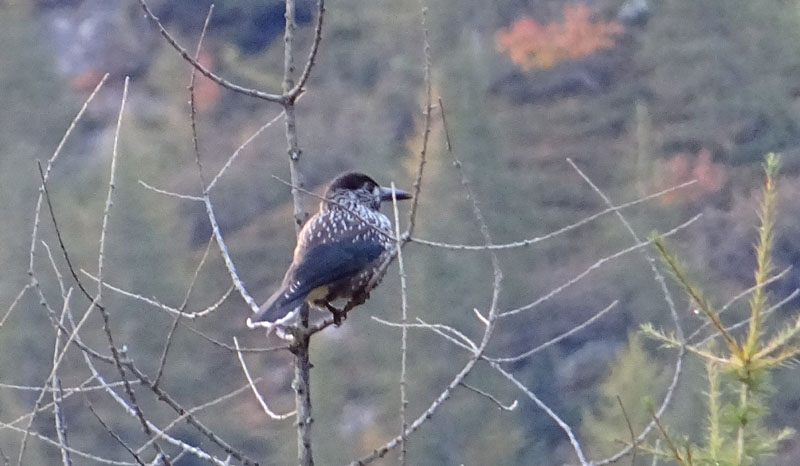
[353, 189]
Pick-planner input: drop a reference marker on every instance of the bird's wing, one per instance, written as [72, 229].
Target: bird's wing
[318, 265]
[326, 263]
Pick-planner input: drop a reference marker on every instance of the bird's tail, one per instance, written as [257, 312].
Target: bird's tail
[277, 309]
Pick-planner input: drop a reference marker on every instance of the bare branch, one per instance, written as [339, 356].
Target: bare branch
[66, 392]
[207, 73]
[576, 446]
[744, 322]
[185, 197]
[560, 231]
[239, 149]
[477, 354]
[312, 54]
[457, 337]
[491, 397]
[557, 339]
[264, 406]
[733, 301]
[668, 439]
[670, 302]
[231, 348]
[14, 304]
[594, 267]
[43, 175]
[404, 331]
[163, 362]
[72, 450]
[198, 408]
[444, 126]
[193, 103]
[223, 248]
[426, 130]
[169, 401]
[630, 430]
[58, 392]
[113, 434]
[656, 273]
[175, 311]
[46, 171]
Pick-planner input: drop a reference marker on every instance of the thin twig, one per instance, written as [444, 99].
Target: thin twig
[59, 277]
[312, 54]
[426, 130]
[226, 257]
[735, 299]
[669, 301]
[595, 266]
[576, 446]
[444, 125]
[241, 147]
[230, 348]
[264, 405]
[630, 430]
[193, 101]
[163, 361]
[175, 311]
[58, 391]
[169, 401]
[675, 452]
[207, 73]
[404, 332]
[14, 304]
[558, 338]
[46, 171]
[113, 434]
[186, 197]
[476, 354]
[100, 257]
[198, 408]
[560, 231]
[72, 450]
[193, 119]
[491, 397]
[744, 322]
[458, 337]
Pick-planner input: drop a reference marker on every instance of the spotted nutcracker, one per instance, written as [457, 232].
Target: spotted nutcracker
[339, 251]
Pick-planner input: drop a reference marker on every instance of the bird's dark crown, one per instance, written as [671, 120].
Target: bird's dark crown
[352, 189]
[352, 181]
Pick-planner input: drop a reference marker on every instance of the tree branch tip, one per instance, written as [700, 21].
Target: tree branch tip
[480, 316]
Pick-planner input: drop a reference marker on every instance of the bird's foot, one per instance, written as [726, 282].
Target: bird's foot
[338, 314]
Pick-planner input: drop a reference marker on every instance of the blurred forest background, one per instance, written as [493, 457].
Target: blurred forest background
[641, 94]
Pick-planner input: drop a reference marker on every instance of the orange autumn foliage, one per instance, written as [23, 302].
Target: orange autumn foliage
[710, 176]
[533, 45]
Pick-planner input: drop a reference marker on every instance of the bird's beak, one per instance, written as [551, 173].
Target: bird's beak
[386, 194]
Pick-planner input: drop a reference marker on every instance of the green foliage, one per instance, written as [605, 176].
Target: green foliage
[634, 378]
[739, 376]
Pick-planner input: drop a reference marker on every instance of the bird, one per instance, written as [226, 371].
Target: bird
[339, 252]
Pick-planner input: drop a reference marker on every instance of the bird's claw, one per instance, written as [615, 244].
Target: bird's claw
[338, 314]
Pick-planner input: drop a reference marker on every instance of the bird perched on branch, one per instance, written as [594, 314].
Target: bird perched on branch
[339, 252]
